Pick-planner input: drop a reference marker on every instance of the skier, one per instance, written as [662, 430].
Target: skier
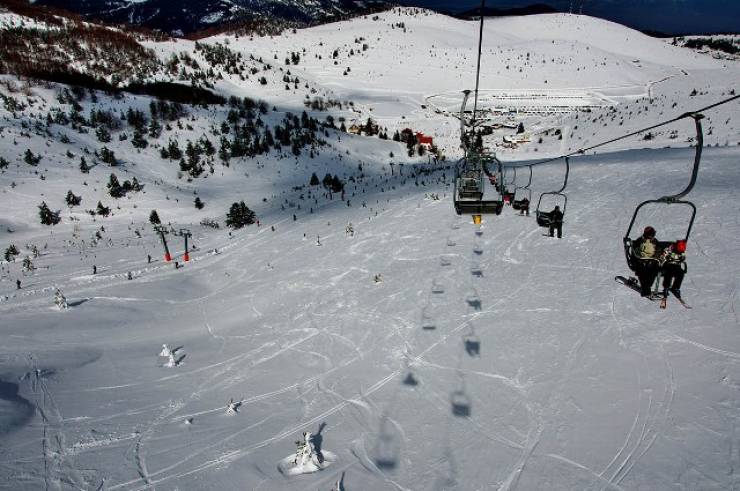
[524, 207]
[673, 259]
[18, 284]
[556, 222]
[148, 258]
[647, 266]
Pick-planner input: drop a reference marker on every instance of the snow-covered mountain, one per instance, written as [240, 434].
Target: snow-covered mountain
[422, 352]
[175, 17]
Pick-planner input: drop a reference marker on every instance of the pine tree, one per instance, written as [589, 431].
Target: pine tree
[198, 203]
[239, 215]
[72, 199]
[154, 218]
[138, 140]
[103, 134]
[47, 216]
[84, 168]
[11, 252]
[114, 187]
[30, 158]
[102, 210]
[314, 180]
[3, 163]
[108, 156]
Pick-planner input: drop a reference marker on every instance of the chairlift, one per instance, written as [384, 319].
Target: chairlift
[544, 218]
[460, 403]
[470, 175]
[508, 196]
[524, 192]
[670, 200]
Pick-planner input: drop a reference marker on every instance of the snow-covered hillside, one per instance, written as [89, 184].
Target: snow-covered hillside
[422, 352]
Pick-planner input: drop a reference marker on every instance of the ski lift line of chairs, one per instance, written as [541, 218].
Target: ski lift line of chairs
[525, 191]
[544, 218]
[670, 200]
[470, 174]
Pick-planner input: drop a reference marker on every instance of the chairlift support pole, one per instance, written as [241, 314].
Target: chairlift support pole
[186, 233]
[162, 232]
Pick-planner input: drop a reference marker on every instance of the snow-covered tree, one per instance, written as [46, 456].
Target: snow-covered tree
[72, 199]
[47, 216]
[59, 300]
[28, 265]
[11, 252]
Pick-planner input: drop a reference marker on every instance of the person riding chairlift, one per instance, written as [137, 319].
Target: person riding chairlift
[647, 265]
[673, 258]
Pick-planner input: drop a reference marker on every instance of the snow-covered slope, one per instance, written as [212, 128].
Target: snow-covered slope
[423, 352]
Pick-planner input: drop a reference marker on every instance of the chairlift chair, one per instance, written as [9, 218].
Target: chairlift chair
[544, 218]
[670, 200]
[524, 192]
[470, 175]
[507, 195]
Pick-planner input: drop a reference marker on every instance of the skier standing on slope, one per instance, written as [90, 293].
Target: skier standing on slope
[647, 266]
[673, 259]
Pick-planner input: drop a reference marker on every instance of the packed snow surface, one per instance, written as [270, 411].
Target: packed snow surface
[426, 353]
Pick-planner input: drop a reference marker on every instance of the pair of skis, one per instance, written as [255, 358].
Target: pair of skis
[632, 283]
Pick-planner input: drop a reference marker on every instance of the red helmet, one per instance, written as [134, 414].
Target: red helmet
[680, 246]
[649, 232]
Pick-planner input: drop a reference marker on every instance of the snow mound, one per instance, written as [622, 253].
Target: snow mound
[288, 467]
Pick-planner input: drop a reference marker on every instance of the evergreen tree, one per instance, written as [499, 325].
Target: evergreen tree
[30, 158]
[239, 215]
[47, 216]
[154, 218]
[108, 156]
[11, 252]
[84, 168]
[103, 211]
[103, 134]
[72, 200]
[314, 180]
[138, 140]
[114, 187]
[155, 129]
[198, 203]
[3, 163]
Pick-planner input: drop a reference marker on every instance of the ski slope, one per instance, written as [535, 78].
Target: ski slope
[579, 383]
[486, 358]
